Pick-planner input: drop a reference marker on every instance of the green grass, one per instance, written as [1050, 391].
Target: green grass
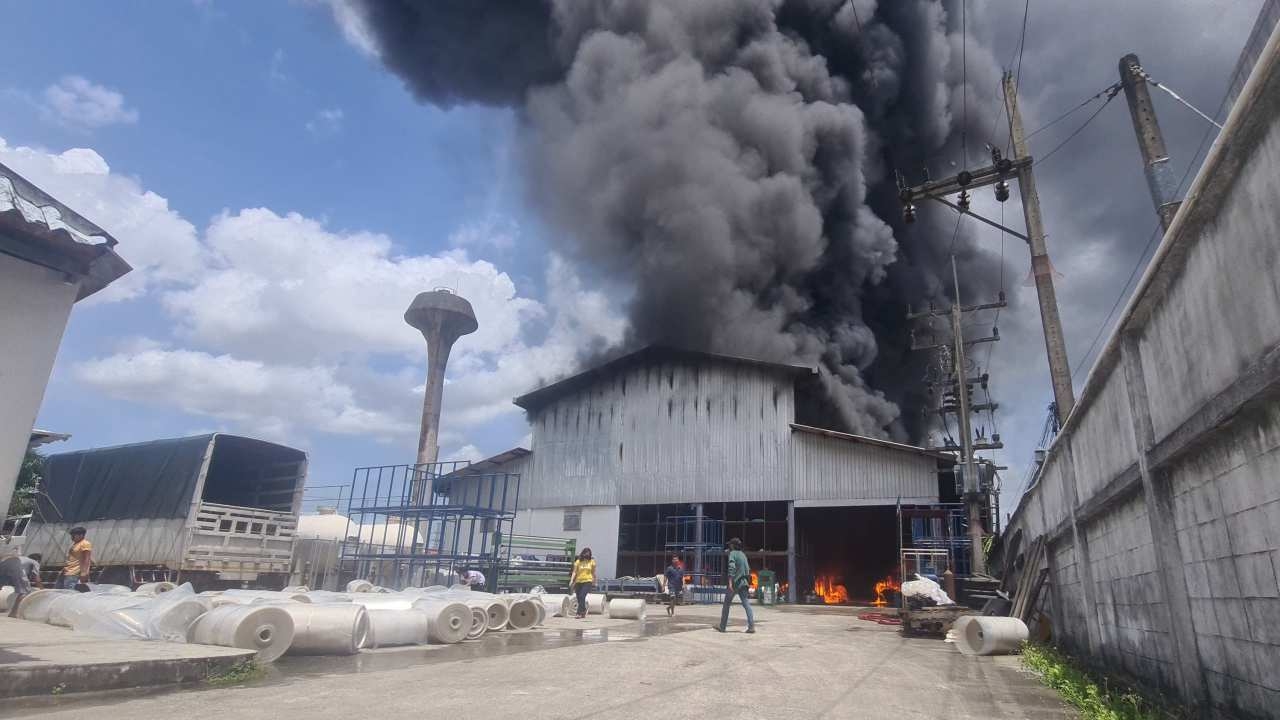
[1097, 698]
[241, 672]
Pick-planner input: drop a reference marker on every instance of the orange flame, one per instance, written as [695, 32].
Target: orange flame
[825, 587]
[884, 586]
[755, 579]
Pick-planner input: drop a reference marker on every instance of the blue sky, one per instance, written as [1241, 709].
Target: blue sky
[282, 197]
[230, 106]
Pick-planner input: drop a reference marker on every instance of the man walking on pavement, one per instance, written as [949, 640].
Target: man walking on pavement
[739, 584]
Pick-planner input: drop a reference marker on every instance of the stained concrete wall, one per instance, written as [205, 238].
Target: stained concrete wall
[35, 303]
[1160, 499]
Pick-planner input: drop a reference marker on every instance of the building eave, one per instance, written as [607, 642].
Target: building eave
[864, 440]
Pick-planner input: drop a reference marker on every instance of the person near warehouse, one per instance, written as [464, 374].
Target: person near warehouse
[675, 582]
[739, 582]
[76, 572]
[582, 578]
[19, 571]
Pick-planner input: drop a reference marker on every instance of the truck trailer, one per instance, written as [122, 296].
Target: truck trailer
[217, 510]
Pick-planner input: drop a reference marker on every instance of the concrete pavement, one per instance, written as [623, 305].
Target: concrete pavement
[799, 664]
[43, 659]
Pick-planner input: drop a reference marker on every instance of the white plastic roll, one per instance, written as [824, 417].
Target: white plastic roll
[378, 601]
[359, 586]
[168, 621]
[523, 614]
[328, 629]
[328, 596]
[265, 629]
[154, 588]
[296, 589]
[542, 611]
[626, 609]
[479, 623]
[450, 621]
[498, 613]
[64, 611]
[388, 628]
[554, 603]
[990, 635]
[250, 596]
[109, 589]
[6, 597]
[595, 603]
[54, 610]
[35, 606]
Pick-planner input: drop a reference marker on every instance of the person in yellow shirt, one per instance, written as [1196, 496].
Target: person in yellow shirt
[76, 571]
[582, 577]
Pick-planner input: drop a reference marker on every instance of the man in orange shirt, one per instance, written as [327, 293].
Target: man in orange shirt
[76, 571]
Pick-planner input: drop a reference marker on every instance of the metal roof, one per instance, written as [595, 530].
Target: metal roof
[871, 441]
[491, 464]
[35, 227]
[646, 355]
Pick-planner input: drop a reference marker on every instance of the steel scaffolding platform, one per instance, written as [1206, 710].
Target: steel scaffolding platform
[420, 525]
[699, 542]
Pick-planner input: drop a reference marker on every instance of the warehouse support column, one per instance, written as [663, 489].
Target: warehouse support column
[697, 540]
[791, 551]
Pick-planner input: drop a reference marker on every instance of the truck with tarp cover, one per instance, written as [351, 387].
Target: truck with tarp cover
[217, 510]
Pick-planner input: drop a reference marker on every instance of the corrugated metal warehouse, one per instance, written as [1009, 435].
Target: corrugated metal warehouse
[626, 451]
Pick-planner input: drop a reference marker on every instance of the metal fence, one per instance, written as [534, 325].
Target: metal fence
[416, 525]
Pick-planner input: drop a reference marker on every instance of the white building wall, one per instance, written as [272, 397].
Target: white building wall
[599, 531]
[665, 432]
[34, 305]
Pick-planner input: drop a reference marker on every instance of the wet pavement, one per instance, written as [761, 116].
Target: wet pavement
[799, 664]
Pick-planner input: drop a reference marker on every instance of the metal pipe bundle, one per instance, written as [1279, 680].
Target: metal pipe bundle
[265, 629]
[327, 629]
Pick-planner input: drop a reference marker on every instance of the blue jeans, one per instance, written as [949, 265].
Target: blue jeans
[67, 582]
[581, 590]
[741, 593]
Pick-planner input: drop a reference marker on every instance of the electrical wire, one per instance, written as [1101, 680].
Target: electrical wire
[1073, 110]
[1178, 97]
[1155, 232]
[964, 83]
[1022, 45]
[1078, 130]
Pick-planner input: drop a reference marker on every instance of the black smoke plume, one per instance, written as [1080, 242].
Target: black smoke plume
[733, 162]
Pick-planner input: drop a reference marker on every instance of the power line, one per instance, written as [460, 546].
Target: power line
[1073, 110]
[1177, 97]
[1022, 45]
[1110, 96]
[964, 82]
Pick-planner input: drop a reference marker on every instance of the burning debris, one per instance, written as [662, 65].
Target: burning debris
[825, 587]
[883, 588]
[730, 162]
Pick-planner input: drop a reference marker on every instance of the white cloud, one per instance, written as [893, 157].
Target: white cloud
[284, 327]
[353, 27]
[466, 453]
[160, 244]
[492, 231]
[325, 123]
[79, 103]
[275, 401]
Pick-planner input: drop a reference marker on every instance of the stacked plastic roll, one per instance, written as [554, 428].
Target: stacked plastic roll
[37, 605]
[154, 588]
[554, 603]
[265, 629]
[448, 621]
[246, 597]
[359, 586]
[389, 628]
[327, 629]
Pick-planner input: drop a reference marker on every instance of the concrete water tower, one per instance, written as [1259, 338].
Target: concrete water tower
[443, 317]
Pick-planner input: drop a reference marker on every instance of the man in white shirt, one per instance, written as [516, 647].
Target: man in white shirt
[19, 571]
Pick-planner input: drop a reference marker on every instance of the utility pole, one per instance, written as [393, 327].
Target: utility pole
[959, 384]
[997, 174]
[1155, 158]
[1054, 342]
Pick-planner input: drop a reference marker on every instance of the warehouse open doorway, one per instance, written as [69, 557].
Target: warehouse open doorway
[843, 553]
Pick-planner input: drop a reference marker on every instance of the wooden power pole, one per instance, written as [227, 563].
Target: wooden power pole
[997, 173]
[1055, 344]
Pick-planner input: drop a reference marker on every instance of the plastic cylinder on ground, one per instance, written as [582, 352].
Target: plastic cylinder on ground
[328, 596]
[626, 609]
[35, 605]
[6, 597]
[595, 603]
[265, 629]
[296, 589]
[170, 621]
[359, 586]
[450, 621]
[479, 623]
[154, 588]
[554, 603]
[389, 628]
[522, 615]
[542, 611]
[984, 635]
[378, 601]
[250, 596]
[327, 629]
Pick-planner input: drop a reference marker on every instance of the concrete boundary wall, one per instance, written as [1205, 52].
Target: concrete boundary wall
[1160, 498]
